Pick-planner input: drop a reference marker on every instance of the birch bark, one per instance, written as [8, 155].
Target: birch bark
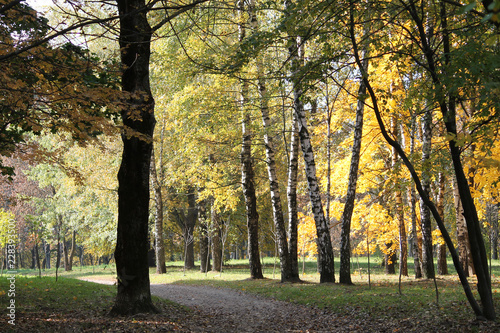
[345, 221]
[279, 223]
[247, 172]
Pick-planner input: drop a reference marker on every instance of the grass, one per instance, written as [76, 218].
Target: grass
[380, 300]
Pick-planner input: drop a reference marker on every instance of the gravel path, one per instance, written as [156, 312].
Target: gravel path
[227, 310]
[234, 311]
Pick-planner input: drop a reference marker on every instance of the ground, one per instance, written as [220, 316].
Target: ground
[225, 310]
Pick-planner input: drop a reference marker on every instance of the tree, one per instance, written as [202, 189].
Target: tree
[345, 246]
[247, 171]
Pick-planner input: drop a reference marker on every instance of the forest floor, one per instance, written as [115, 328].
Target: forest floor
[209, 309]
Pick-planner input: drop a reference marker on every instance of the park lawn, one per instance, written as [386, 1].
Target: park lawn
[71, 305]
[86, 304]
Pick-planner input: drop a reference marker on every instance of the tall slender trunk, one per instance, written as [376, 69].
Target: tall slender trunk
[158, 232]
[442, 265]
[247, 172]
[46, 250]
[345, 221]
[399, 212]
[322, 228]
[71, 253]
[131, 253]
[191, 218]
[216, 241]
[494, 230]
[425, 214]
[465, 284]
[65, 253]
[413, 203]
[204, 244]
[462, 234]
[279, 222]
[293, 167]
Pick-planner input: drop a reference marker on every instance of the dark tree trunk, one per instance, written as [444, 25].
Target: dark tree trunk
[191, 218]
[204, 239]
[47, 255]
[247, 172]
[64, 246]
[216, 241]
[345, 220]
[390, 260]
[69, 258]
[132, 244]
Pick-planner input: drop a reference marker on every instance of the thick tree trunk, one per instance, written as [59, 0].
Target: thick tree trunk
[247, 172]
[131, 253]
[425, 214]
[291, 192]
[158, 232]
[345, 220]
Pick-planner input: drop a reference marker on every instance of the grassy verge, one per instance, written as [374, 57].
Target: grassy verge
[70, 305]
[381, 299]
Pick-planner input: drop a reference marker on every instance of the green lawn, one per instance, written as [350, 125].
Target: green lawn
[381, 299]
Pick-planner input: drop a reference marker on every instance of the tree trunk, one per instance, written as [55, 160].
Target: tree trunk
[325, 250]
[216, 241]
[71, 253]
[131, 253]
[399, 212]
[279, 222]
[322, 229]
[447, 105]
[462, 233]
[247, 173]
[65, 253]
[291, 193]
[425, 214]
[390, 259]
[465, 284]
[204, 243]
[494, 230]
[442, 265]
[47, 255]
[159, 242]
[191, 218]
[345, 220]
[413, 203]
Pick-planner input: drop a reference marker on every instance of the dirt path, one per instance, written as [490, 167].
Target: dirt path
[228, 310]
